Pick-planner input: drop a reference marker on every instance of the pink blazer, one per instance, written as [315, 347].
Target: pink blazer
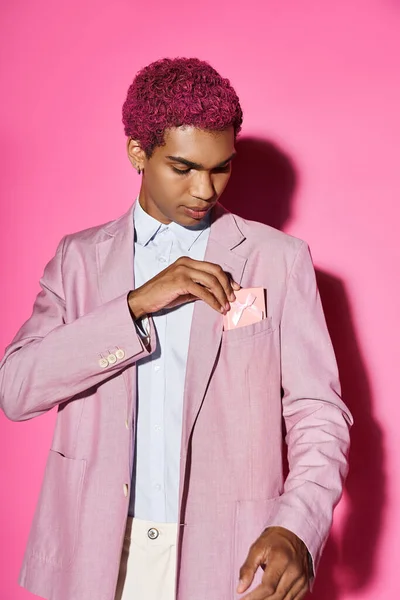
[239, 384]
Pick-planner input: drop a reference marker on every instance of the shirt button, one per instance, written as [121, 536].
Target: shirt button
[157, 486]
[162, 259]
[103, 363]
[126, 489]
[120, 354]
[157, 427]
[157, 368]
[153, 533]
[112, 359]
[127, 423]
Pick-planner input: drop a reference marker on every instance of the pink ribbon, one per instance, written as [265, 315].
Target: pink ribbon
[239, 308]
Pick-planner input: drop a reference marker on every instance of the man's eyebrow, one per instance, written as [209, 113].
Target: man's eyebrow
[199, 167]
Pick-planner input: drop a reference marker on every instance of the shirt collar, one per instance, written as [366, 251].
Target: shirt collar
[147, 227]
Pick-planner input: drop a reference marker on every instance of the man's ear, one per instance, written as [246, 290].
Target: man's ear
[136, 154]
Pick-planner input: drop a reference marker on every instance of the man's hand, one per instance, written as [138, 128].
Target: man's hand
[284, 558]
[183, 281]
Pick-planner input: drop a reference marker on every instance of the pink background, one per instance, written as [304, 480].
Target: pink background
[319, 85]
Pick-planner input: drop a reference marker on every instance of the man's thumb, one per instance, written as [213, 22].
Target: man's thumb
[246, 576]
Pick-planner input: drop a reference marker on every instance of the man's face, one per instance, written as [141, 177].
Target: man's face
[184, 178]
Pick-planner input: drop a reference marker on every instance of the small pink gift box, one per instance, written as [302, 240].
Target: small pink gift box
[248, 308]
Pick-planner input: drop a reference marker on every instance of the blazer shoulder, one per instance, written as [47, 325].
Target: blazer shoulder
[98, 233]
[260, 235]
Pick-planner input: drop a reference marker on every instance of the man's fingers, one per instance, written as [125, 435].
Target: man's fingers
[261, 592]
[204, 294]
[294, 588]
[271, 578]
[278, 579]
[279, 587]
[293, 580]
[302, 592]
[224, 280]
[264, 590]
[285, 568]
[211, 282]
[247, 570]
[290, 590]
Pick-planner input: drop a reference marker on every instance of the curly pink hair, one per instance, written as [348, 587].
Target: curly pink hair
[174, 92]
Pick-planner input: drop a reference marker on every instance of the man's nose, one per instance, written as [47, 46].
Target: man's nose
[202, 187]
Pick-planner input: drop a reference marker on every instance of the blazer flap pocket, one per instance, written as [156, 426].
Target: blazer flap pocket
[56, 521]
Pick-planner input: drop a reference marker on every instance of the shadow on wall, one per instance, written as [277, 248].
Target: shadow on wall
[262, 188]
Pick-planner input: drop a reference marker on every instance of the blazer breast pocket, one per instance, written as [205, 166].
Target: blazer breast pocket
[248, 332]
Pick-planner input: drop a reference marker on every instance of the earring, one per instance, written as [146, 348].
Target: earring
[139, 170]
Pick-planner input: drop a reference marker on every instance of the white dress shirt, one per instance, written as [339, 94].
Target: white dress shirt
[161, 376]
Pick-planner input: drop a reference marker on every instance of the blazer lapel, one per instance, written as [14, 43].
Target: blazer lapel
[115, 257]
[206, 329]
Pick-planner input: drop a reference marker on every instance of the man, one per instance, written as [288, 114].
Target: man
[165, 474]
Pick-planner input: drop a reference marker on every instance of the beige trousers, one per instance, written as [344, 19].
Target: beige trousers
[148, 561]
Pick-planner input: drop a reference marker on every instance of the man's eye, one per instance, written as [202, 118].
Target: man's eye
[181, 171]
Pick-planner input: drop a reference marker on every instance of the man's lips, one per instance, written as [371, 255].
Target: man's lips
[197, 213]
[198, 209]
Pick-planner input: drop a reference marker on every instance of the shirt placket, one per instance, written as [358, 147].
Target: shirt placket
[158, 390]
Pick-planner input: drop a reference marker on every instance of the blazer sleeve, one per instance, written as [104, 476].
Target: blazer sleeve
[317, 421]
[51, 361]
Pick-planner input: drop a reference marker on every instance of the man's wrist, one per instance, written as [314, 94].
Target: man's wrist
[135, 307]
